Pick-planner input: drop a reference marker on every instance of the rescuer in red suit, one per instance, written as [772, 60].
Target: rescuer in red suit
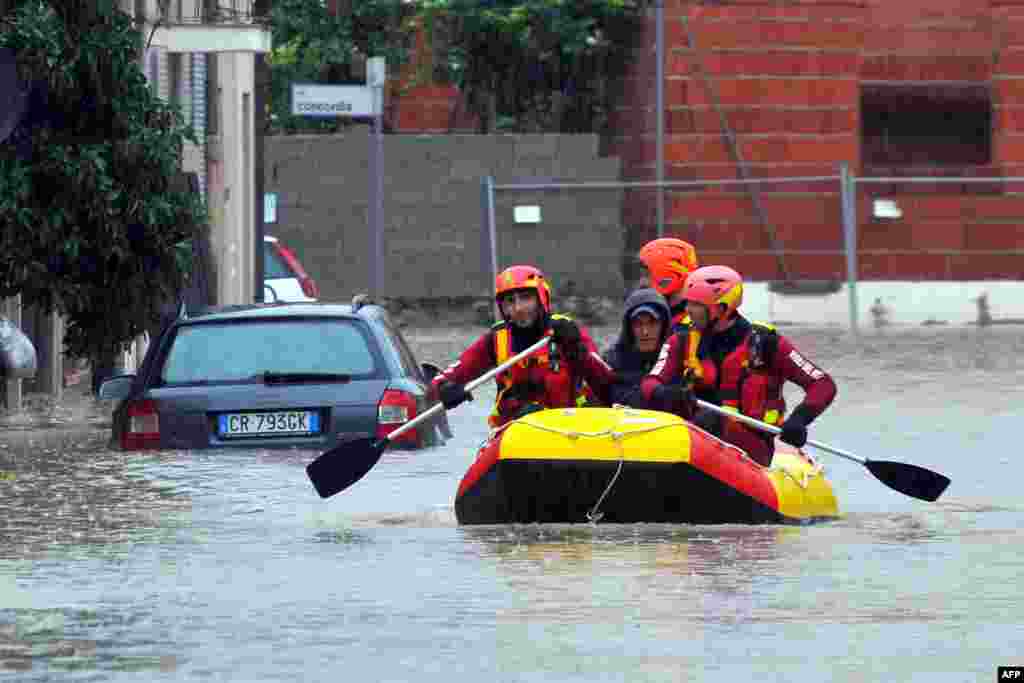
[741, 366]
[668, 261]
[557, 376]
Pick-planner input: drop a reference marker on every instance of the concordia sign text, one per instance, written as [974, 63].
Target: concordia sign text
[310, 99]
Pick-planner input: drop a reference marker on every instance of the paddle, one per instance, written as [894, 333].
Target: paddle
[345, 464]
[910, 480]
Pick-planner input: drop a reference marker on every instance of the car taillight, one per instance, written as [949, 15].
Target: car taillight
[394, 410]
[307, 283]
[143, 428]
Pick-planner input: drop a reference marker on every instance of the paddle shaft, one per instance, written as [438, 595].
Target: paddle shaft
[470, 386]
[771, 429]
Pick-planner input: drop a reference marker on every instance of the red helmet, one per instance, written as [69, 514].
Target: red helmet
[669, 261]
[524, 277]
[714, 285]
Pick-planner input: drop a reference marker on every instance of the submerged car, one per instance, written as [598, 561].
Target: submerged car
[296, 375]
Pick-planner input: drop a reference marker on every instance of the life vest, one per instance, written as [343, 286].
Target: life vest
[680, 319]
[744, 381]
[542, 380]
[693, 368]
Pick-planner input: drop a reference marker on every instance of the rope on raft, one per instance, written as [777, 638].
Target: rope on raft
[802, 479]
[594, 515]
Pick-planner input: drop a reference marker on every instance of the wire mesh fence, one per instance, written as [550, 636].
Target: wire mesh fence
[833, 248]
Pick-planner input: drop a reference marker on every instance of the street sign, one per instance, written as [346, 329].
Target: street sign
[376, 72]
[330, 101]
[527, 214]
[269, 207]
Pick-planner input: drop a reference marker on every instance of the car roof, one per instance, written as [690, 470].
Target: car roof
[284, 310]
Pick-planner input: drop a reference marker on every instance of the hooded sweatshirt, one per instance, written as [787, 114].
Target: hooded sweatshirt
[631, 365]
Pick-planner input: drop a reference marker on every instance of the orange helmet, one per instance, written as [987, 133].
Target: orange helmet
[669, 261]
[714, 285]
[524, 277]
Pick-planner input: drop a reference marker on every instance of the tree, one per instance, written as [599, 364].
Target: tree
[314, 45]
[535, 64]
[521, 64]
[92, 201]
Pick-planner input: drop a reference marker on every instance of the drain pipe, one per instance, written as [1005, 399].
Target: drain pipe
[659, 106]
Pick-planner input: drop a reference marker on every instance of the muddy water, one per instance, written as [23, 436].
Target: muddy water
[226, 566]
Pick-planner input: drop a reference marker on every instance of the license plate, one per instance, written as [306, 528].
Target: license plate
[281, 422]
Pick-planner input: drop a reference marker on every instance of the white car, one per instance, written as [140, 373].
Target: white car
[284, 278]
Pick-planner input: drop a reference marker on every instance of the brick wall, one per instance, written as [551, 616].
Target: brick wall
[416, 103]
[787, 76]
[433, 211]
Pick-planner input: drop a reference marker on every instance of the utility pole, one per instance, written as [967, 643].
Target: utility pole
[659, 112]
[260, 99]
[376, 75]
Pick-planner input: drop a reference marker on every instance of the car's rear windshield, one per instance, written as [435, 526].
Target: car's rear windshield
[274, 267]
[237, 351]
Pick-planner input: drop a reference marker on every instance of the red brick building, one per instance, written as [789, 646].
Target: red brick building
[895, 88]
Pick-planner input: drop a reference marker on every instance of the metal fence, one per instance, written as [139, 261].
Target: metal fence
[947, 227]
[567, 247]
[552, 224]
[220, 12]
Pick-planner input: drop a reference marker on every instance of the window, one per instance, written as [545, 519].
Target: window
[404, 354]
[212, 95]
[238, 351]
[176, 88]
[153, 69]
[926, 125]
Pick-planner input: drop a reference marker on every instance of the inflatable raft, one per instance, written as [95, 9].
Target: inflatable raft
[622, 465]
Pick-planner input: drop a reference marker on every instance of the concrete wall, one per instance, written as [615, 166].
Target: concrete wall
[433, 214]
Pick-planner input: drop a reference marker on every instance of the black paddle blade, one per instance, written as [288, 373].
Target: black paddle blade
[344, 465]
[911, 480]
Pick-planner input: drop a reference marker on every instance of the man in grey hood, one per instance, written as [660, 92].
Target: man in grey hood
[645, 327]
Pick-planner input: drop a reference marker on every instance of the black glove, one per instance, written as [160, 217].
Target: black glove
[794, 429]
[453, 394]
[708, 420]
[673, 396]
[566, 334]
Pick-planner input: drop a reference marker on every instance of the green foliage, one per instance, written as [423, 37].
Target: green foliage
[313, 46]
[537, 64]
[91, 198]
[547, 65]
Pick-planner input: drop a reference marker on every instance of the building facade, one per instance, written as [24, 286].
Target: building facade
[201, 56]
[901, 91]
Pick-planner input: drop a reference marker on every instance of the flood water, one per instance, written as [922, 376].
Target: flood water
[227, 566]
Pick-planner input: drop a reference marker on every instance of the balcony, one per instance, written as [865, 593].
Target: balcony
[213, 26]
[220, 12]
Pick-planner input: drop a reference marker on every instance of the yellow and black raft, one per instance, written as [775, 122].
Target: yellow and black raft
[622, 465]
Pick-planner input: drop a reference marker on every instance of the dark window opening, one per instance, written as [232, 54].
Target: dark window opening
[176, 85]
[213, 103]
[925, 126]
